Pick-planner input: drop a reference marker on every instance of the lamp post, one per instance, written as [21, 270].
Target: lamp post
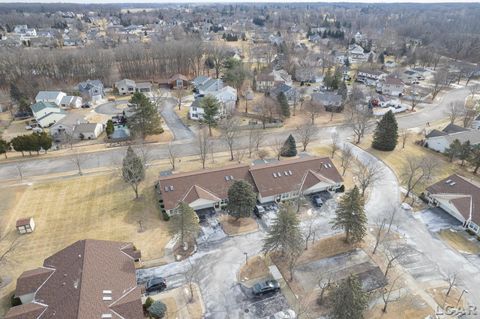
[463, 291]
[246, 258]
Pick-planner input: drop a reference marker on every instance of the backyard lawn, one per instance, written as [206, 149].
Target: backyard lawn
[70, 209]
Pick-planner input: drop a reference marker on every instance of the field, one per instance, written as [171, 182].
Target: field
[70, 209]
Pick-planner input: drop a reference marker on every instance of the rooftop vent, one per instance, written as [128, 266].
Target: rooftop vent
[448, 181]
[452, 183]
[106, 315]
[227, 178]
[275, 175]
[290, 173]
[171, 188]
[231, 177]
[166, 188]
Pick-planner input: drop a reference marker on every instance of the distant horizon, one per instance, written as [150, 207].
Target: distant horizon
[235, 1]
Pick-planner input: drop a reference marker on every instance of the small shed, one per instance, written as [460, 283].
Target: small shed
[25, 225]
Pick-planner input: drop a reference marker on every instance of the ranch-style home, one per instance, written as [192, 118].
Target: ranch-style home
[459, 197]
[273, 182]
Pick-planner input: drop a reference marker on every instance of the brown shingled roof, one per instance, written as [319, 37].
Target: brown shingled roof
[27, 311]
[468, 195]
[83, 271]
[31, 280]
[212, 181]
[321, 169]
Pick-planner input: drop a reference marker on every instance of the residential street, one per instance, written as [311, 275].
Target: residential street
[187, 146]
[441, 259]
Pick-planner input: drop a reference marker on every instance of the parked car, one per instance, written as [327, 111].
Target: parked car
[156, 284]
[265, 287]
[258, 211]
[286, 314]
[317, 201]
[28, 128]
[86, 105]
[37, 130]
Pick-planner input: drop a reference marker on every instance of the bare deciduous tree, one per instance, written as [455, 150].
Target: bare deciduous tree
[404, 137]
[451, 280]
[192, 276]
[277, 147]
[417, 171]
[172, 155]
[78, 159]
[306, 132]
[313, 109]
[230, 130]
[367, 175]
[203, 145]
[334, 145]
[179, 94]
[255, 138]
[455, 110]
[324, 282]
[346, 158]
[393, 253]
[358, 121]
[440, 82]
[387, 294]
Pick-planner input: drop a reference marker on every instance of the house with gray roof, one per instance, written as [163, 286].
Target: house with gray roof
[47, 113]
[94, 89]
[331, 101]
[211, 85]
[50, 96]
[440, 140]
[289, 91]
[125, 86]
[87, 131]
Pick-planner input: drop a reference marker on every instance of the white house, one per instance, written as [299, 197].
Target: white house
[369, 77]
[47, 113]
[459, 197]
[227, 97]
[50, 96]
[87, 131]
[440, 140]
[356, 52]
[392, 86]
[125, 86]
[70, 101]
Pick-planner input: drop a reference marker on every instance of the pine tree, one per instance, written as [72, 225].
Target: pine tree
[289, 148]
[44, 141]
[109, 128]
[285, 235]
[210, 107]
[146, 120]
[453, 149]
[474, 158]
[4, 147]
[241, 199]
[133, 170]
[381, 58]
[464, 153]
[284, 107]
[386, 134]
[157, 310]
[184, 223]
[349, 300]
[343, 91]
[350, 216]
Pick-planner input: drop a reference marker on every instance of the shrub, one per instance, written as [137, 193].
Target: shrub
[157, 310]
[15, 301]
[165, 216]
[147, 305]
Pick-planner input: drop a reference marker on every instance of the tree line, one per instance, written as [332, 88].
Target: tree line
[27, 143]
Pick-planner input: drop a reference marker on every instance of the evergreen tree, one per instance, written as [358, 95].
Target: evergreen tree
[350, 216]
[289, 148]
[474, 158]
[15, 93]
[109, 128]
[381, 58]
[285, 235]
[184, 223]
[210, 107]
[4, 147]
[453, 149]
[133, 170]
[146, 120]
[241, 199]
[328, 79]
[386, 134]
[284, 107]
[349, 300]
[464, 153]
[44, 140]
[19, 144]
[343, 90]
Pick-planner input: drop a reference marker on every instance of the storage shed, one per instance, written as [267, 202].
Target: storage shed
[25, 225]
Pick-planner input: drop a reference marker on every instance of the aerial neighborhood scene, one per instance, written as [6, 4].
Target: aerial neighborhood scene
[251, 160]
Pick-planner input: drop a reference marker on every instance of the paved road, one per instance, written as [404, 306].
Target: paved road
[179, 129]
[429, 257]
[105, 159]
[111, 108]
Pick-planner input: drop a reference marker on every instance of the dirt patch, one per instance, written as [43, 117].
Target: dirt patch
[440, 296]
[410, 306]
[326, 247]
[180, 305]
[255, 268]
[460, 241]
[232, 226]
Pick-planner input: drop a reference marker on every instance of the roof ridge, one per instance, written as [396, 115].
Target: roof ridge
[200, 172]
[81, 276]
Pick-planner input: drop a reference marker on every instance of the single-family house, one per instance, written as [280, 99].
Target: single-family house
[47, 113]
[178, 81]
[206, 190]
[459, 197]
[143, 87]
[211, 85]
[70, 101]
[93, 89]
[87, 131]
[289, 91]
[357, 53]
[331, 101]
[200, 80]
[476, 123]
[264, 82]
[369, 77]
[88, 279]
[227, 98]
[391, 86]
[125, 86]
[440, 140]
[50, 96]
